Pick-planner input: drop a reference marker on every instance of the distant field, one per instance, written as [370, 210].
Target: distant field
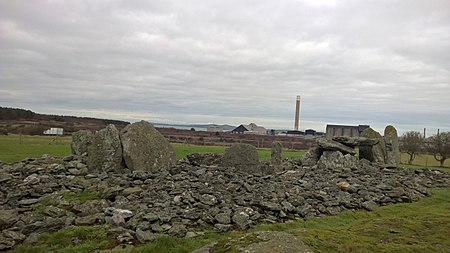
[424, 160]
[14, 148]
[264, 153]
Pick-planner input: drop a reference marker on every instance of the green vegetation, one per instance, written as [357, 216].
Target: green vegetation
[14, 148]
[81, 196]
[414, 227]
[423, 160]
[264, 153]
[69, 240]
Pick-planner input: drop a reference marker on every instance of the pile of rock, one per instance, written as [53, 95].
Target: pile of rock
[141, 203]
[347, 151]
[144, 204]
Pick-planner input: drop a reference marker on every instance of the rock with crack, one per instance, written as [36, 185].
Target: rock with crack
[144, 148]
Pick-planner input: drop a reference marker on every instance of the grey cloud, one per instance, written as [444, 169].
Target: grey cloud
[353, 62]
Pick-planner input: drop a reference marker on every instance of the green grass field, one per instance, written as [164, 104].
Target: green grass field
[14, 148]
[424, 160]
[418, 227]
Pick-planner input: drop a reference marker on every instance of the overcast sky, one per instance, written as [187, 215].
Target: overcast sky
[234, 61]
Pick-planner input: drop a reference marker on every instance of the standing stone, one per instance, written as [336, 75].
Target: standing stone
[392, 147]
[240, 155]
[374, 153]
[80, 141]
[311, 157]
[276, 153]
[105, 151]
[144, 148]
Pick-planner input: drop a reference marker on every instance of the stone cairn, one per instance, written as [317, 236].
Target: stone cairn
[348, 151]
[139, 192]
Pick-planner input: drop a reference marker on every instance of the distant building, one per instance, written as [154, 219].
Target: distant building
[310, 132]
[295, 133]
[342, 130]
[54, 131]
[252, 128]
[214, 128]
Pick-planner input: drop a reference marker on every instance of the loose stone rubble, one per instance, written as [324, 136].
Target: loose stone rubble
[138, 206]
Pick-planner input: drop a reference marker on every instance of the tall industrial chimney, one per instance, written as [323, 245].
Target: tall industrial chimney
[297, 112]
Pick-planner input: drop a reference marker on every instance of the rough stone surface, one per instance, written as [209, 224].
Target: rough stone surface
[276, 153]
[331, 145]
[331, 160]
[207, 159]
[144, 148]
[241, 156]
[80, 142]
[8, 218]
[375, 153]
[105, 151]
[311, 157]
[141, 205]
[355, 141]
[392, 146]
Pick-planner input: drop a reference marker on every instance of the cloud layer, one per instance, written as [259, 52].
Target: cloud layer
[353, 62]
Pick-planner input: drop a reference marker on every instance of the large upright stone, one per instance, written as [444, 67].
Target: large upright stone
[80, 141]
[392, 147]
[144, 148]
[105, 151]
[276, 152]
[240, 155]
[374, 153]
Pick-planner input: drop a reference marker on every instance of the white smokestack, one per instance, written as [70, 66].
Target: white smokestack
[297, 113]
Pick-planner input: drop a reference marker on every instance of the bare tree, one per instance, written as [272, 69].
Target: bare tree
[411, 143]
[439, 146]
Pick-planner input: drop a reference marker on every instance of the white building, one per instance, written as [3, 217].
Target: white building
[54, 131]
[251, 128]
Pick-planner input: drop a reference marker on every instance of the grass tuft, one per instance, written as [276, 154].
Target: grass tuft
[79, 239]
[81, 196]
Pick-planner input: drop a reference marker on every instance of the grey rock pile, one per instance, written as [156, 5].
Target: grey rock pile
[340, 151]
[140, 206]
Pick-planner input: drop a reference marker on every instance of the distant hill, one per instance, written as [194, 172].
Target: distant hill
[16, 120]
[201, 126]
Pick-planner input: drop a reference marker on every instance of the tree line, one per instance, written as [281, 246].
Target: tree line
[414, 143]
[21, 114]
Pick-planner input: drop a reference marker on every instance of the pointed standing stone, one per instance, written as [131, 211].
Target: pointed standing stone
[392, 146]
[276, 153]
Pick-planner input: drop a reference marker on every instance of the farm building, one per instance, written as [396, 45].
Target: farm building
[252, 128]
[54, 131]
[343, 130]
